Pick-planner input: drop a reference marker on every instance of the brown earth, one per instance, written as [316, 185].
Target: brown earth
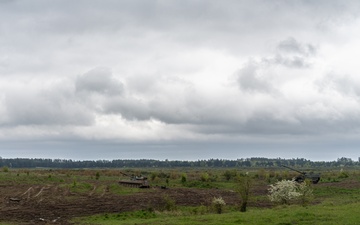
[55, 205]
[25, 204]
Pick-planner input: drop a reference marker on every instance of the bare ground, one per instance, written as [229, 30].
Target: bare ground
[51, 204]
[55, 205]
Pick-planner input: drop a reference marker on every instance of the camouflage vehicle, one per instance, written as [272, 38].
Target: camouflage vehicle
[135, 181]
[314, 177]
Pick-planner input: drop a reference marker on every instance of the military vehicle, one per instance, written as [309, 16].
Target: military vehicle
[135, 181]
[315, 178]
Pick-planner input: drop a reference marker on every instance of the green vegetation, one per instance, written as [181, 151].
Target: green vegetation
[325, 214]
[334, 200]
[317, 204]
[243, 188]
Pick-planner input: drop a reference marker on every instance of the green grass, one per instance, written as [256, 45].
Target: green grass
[326, 214]
[123, 190]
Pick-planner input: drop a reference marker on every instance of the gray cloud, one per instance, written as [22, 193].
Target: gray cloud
[167, 71]
[53, 106]
[343, 84]
[99, 80]
[249, 79]
[292, 53]
[293, 46]
[257, 75]
[129, 108]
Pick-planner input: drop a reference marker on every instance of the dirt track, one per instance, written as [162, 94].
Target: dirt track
[54, 205]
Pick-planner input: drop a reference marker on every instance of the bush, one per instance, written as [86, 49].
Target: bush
[229, 174]
[169, 204]
[343, 175]
[218, 204]
[183, 178]
[205, 177]
[283, 191]
[306, 193]
[5, 169]
[97, 175]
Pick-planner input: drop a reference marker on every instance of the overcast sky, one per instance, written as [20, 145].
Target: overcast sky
[182, 79]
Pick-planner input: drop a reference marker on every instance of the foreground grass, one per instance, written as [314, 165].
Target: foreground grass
[326, 213]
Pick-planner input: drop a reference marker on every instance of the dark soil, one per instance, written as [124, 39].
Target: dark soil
[55, 205]
[25, 204]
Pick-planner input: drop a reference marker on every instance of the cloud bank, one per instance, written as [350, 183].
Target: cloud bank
[241, 75]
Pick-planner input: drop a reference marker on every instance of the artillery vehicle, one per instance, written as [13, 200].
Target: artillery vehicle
[135, 181]
[315, 178]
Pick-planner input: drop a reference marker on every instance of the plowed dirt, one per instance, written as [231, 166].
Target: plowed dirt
[52, 204]
[55, 205]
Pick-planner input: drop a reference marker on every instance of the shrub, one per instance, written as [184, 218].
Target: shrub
[183, 178]
[200, 210]
[343, 175]
[205, 177]
[218, 204]
[306, 193]
[97, 175]
[283, 191]
[5, 169]
[169, 204]
[153, 176]
[227, 174]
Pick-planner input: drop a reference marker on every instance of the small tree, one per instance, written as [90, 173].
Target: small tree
[244, 186]
[283, 191]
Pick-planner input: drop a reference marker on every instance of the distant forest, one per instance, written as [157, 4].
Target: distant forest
[150, 163]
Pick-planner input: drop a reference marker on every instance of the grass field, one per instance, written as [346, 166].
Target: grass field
[95, 197]
[326, 214]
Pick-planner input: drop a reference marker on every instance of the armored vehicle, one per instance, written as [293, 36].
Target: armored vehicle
[135, 181]
[315, 178]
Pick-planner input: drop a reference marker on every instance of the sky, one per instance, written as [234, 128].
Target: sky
[179, 79]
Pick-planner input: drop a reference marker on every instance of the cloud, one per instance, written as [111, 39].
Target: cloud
[99, 80]
[263, 75]
[179, 71]
[293, 46]
[54, 104]
[250, 79]
[291, 53]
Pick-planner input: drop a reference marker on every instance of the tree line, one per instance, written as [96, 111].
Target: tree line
[151, 163]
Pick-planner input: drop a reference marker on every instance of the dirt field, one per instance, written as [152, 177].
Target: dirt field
[51, 204]
[55, 205]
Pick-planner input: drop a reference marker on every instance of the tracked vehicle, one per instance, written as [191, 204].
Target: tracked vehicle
[314, 177]
[135, 181]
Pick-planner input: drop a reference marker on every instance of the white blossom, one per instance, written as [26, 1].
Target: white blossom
[218, 204]
[284, 191]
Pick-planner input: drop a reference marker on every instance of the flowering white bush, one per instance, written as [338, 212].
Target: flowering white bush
[284, 191]
[218, 204]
